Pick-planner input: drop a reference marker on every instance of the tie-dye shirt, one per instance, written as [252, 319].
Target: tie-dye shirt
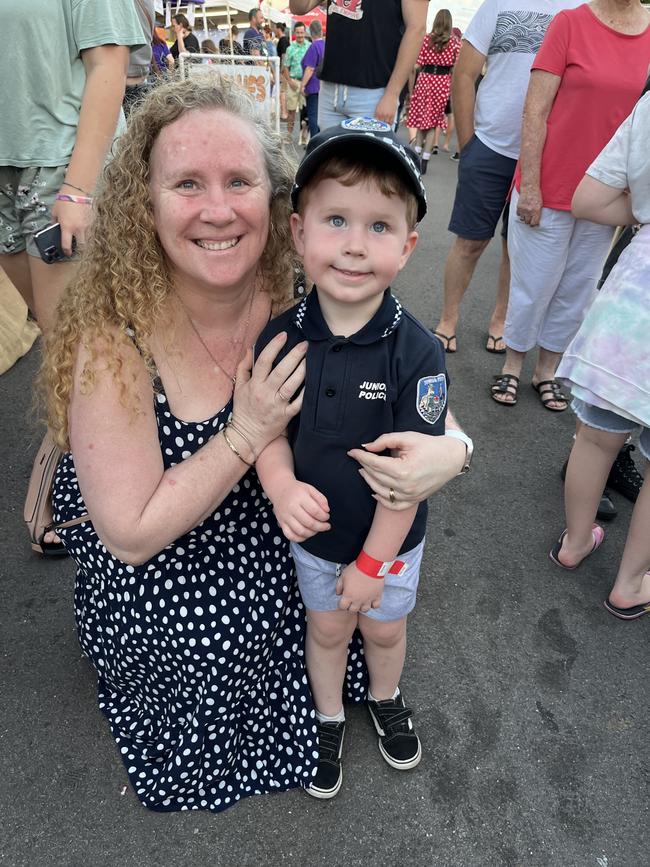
[607, 363]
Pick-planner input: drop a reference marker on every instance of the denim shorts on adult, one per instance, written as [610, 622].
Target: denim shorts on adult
[484, 181]
[339, 102]
[317, 580]
[27, 196]
[611, 422]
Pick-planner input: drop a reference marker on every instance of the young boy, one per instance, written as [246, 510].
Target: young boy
[371, 369]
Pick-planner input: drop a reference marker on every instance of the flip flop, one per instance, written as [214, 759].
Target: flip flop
[632, 613]
[446, 339]
[597, 534]
[493, 348]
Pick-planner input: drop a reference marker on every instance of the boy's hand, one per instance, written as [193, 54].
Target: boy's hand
[359, 592]
[301, 510]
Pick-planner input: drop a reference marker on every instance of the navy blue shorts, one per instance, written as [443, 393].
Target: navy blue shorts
[484, 180]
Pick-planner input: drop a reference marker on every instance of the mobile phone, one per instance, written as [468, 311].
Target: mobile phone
[48, 241]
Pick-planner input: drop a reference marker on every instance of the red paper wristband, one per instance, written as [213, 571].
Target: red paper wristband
[378, 568]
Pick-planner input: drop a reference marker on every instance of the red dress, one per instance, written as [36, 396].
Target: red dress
[431, 92]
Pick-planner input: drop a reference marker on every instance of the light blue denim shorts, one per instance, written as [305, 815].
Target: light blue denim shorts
[610, 422]
[317, 582]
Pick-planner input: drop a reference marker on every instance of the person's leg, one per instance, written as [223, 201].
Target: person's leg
[498, 317]
[48, 282]
[358, 101]
[15, 190]
[326, 653]
[574, 293]
[632, 584]
[430, 139]
[576, 290]
[16, 267]
[384, 644]
[459, 270]
[592, 455]
[504, 387]
[450, 131]
[312, 113]
[384, 647]
[484, 179]
[291, 120]
[329, 110]
[532, 288]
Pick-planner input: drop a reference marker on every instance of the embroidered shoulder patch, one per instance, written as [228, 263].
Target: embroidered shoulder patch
[431, 397]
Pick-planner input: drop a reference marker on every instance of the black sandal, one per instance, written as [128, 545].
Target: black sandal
[553, 391]
[505, 383]
[446, 341]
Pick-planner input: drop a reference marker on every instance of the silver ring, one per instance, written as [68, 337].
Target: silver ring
[391, 495]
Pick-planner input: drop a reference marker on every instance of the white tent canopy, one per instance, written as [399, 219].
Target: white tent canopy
[213, 14]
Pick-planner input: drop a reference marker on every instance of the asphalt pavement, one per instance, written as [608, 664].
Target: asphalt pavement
[531, 701]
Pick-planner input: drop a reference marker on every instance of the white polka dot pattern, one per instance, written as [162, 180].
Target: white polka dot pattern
[199, 652]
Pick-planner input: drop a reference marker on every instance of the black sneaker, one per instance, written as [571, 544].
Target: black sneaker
[329, 776]
[607, 511]
[398, 743]
[624, 476]
[455, 156]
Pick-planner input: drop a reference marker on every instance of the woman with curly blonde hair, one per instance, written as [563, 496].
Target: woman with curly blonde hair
[185, 598]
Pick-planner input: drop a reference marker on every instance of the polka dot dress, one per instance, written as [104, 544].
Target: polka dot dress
[431, 92]
[199, 652]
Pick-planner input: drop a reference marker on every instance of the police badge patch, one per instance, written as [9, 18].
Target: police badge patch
[431, 397]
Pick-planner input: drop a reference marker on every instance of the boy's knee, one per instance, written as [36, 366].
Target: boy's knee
[332, 629]
[382, 633]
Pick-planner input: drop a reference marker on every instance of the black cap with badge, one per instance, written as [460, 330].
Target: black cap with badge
[349, 138]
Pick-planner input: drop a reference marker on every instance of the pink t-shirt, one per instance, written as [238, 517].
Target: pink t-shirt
[603, 73]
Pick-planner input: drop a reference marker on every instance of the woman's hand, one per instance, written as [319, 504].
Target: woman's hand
[75, 220]
[529, 205]
[265, 398]
[419, 467]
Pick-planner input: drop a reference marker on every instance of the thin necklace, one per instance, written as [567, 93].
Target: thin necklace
[234, 340]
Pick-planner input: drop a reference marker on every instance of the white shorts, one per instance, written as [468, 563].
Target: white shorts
[554, 270]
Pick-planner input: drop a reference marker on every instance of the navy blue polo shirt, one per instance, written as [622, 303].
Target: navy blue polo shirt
[389, 376]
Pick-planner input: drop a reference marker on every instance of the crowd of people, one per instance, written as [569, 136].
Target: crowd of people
[235, 455]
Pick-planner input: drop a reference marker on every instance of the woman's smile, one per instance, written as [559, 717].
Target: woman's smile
[218, 245]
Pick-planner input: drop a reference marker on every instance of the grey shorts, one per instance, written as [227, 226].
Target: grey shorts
[317, 582]
[610, 422]
[27, 196]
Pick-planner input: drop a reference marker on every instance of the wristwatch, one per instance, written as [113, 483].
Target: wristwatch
[459, 435]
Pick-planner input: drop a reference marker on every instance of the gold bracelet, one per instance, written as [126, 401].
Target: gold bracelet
[233, 448]
[241, 433]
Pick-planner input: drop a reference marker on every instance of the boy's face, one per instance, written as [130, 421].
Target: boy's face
[352, 240]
